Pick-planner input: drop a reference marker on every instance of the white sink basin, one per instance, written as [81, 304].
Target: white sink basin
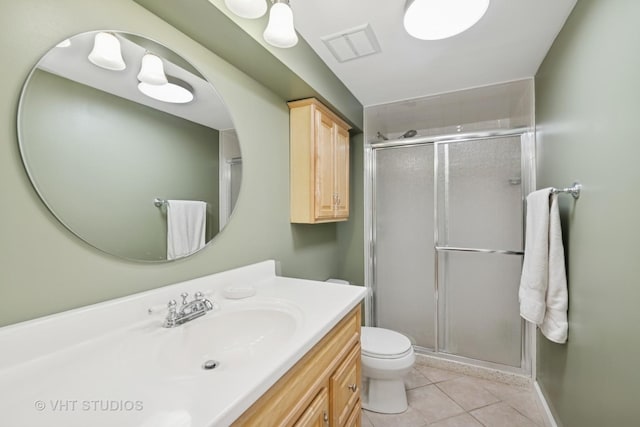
[237, 334]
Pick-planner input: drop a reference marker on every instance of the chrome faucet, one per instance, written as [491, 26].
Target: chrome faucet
[188, 311]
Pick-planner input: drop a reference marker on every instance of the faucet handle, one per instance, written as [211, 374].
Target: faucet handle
[184, 296]
[172, 315]
[172, 306]
[208, 305]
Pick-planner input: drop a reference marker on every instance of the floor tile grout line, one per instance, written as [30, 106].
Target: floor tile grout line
[473, 409]
[423, 376]
[447, 394]
[485, 406]
[476, 418]
[510, 406]
[452, 399]
[448, 418]
[520, 412]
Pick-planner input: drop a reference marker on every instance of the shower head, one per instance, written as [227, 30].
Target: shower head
[409, 134]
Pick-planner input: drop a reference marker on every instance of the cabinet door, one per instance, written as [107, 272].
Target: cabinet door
[317, 413]
[342, 172]
[355, 419]
[324, 167]
[345, 388]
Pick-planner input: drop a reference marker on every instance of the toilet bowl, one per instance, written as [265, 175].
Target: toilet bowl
[387, 356]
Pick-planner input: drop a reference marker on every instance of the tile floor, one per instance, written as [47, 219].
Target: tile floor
[441, 398]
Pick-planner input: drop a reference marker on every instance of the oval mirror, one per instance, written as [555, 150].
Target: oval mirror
[139, 162]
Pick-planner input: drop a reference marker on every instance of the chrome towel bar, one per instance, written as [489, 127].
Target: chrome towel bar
[574, 190]
[159, 202]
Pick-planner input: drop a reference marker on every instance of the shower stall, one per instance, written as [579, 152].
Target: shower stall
[445, 241]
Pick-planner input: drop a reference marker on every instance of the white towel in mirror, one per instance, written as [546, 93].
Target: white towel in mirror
[186, 225]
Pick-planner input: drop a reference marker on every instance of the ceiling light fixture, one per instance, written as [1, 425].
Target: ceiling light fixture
[152, 70]
[250, 9]
[440, 19]
[176, 91]
[280, 31]
[106, 52]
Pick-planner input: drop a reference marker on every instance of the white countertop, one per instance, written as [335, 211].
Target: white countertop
[112, 364]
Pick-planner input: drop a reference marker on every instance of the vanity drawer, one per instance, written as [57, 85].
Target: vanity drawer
[345, 387]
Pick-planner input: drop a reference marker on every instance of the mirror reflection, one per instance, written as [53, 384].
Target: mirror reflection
[129, 146]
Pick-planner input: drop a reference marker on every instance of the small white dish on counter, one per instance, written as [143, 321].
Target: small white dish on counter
[239, 291]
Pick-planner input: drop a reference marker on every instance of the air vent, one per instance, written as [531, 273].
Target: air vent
[353, 43]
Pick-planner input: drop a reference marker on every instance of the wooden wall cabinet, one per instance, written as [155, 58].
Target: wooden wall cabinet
[319, 167]
[321, 390]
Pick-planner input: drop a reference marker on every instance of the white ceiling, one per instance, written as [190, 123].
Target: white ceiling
[509, 43]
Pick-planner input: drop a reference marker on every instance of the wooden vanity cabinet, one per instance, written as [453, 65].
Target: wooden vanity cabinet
[319, 170]
[321, 390]
[317, 413]
[345, 388]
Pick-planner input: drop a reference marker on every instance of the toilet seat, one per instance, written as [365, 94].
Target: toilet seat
[384, 344]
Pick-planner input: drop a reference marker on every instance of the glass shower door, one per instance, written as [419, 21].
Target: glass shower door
[403, 272]
[479, 244]
[447, 247]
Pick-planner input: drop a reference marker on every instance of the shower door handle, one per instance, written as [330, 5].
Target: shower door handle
[476, 250]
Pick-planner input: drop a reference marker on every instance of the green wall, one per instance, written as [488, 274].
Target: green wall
[588, 103]
[100, 161]
[351, 233]
[45, 269]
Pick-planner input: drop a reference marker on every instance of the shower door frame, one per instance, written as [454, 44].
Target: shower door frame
[527, 144]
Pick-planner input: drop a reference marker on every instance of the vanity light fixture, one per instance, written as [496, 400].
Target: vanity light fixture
[280, 31]
[106, 52]
[250, 9]
[440, 19]
[152, 70]
[64, 43]
[175, 91]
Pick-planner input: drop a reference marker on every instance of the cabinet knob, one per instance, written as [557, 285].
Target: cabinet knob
[353, 387]
[325, 417]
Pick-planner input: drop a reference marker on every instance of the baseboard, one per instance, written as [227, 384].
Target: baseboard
[549, 420]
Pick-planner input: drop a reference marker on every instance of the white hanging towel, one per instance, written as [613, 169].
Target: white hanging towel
[555, 325]
[186, 224]
[543, 285]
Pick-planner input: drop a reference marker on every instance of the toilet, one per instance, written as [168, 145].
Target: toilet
[387, 356]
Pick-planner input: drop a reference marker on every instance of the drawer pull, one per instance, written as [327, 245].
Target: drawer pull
[353, 387]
